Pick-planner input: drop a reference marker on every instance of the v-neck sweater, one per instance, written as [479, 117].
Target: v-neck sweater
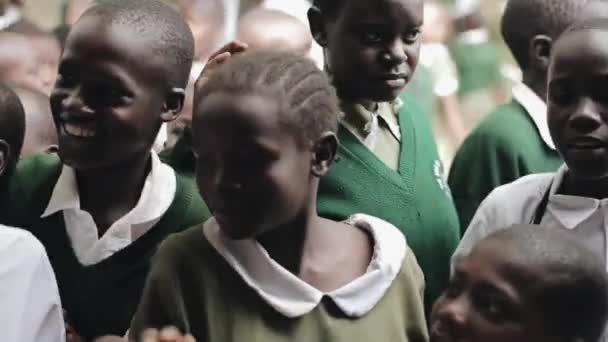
[415, 198]
[99, 299]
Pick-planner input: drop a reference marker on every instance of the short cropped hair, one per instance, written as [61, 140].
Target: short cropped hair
[308, 100]
[12, 123]
[157, 23]
[524, 19]
[331, 8]
[573, 288]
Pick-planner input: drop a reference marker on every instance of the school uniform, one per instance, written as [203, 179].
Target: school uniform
[100, 278]
[30, 309]
[390, 169]
[220, 289]
[534, 199]
[512, 142]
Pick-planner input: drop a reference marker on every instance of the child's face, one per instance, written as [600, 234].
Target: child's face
[373, 47]
[251, 171]
[487, 300]
[109, 96]
[578, 102]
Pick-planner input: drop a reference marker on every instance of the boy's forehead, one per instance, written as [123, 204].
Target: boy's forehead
[588, 44]
[410, 10]
[93, 37]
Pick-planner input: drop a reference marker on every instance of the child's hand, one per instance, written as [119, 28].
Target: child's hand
[218, 58]
[169, 334]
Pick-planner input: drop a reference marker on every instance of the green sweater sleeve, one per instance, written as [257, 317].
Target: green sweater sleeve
[162, 303]
[505, 147]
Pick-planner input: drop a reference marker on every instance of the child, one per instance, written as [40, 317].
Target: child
[388, 167]
[263, 28]
[267, 267]
[102, 207]
[40, 132]
[514, 141]
[30, 309]
[477, 60]
[574, 197]
[525, 284]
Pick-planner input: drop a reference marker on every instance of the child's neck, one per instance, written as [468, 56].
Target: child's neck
[537, 83]
[108, 194]
[574, 186]
[325, 254]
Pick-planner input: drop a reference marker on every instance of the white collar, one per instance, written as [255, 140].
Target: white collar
[571, 211]
[291, 296]
[11, 15]
[536, 109]
[476, 36]
[65, 193]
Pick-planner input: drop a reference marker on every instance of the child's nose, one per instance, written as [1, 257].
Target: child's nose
[453, 313]
[395, 53]
[586, 117]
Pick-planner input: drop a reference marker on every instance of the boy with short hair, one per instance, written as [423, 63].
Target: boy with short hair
[30, 309]
[389, 165]
[573, 198]
[524, 283]
[105, 203]
[514, 141]
[40, 132]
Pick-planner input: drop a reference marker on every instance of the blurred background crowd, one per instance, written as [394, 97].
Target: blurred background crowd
[465, 71]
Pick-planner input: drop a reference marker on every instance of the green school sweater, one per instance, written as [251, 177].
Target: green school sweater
[506, 146]
[478, 66]
[194, 289]
[415, 198]
[99, 299]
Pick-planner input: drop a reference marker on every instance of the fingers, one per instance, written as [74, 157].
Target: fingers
[233, 47]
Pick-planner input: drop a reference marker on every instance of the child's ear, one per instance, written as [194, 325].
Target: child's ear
[173, 105]
[5, 156]
[317, 26]
[540, 51]
[324, 153]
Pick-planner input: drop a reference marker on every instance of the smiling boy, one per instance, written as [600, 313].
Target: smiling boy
[102, 207]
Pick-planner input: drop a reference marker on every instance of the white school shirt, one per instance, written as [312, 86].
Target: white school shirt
[516, 203]
[536, 108]
[156, 198]
[30, 308]
[293, 297]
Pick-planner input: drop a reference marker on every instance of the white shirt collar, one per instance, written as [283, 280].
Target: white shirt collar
[536, 109]
[293, 297]
[476, 36]
[571, 211]
[156, 198]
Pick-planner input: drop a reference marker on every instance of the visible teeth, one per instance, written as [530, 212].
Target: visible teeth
[78, 131]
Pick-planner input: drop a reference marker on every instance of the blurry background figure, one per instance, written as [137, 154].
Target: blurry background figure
[24, 63]
[478, 63]
[263, 28]
[295, 8]
[13, 20]
[40, 132]
[435, 83]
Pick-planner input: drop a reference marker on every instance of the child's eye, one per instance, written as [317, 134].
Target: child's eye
[493, 307]
[561, 94]
[412, 36]
[371, 37]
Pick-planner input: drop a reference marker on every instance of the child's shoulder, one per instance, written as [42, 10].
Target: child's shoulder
[21, 245]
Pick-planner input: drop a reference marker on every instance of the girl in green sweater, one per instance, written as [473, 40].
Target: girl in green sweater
[389, 165]
[266, 267]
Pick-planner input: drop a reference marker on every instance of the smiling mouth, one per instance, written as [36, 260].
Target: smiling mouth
[79, 130]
